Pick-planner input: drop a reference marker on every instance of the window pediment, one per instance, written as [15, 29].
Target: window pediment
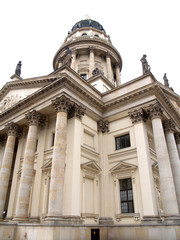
[122, 167]
[91, 166]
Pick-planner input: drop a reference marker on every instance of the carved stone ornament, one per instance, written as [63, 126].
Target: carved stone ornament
[77, 111]
[36, 118]
[9, 101]
[177, 137]
[103, 126]
[62, 104]
[145, 66]
[138, 115]
[169, 126]
[155, 111]
[13, 129]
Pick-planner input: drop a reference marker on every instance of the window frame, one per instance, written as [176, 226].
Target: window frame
[127, 196]
[123, 142]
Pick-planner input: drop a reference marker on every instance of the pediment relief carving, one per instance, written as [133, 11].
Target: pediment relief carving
[122, 167]
[91, 166]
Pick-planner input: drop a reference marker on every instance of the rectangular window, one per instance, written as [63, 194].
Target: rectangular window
[122, 141]
[126, 195]
[53, 137]
[84, 76]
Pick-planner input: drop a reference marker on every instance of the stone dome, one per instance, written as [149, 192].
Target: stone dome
[88, 23]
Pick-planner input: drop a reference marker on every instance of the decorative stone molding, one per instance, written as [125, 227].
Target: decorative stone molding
[35, 118]
[62, 104]
[91, 49]
[169, 126]
[13, 129]
[155, 111]
[138, 115]
[103, 126]
[177, 137]
[77, 111]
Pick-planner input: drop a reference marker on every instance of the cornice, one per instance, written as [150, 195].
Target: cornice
[21, 84]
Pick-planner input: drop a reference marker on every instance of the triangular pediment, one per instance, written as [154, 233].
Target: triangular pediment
[47, 165]
[91, 166]
[122, 166]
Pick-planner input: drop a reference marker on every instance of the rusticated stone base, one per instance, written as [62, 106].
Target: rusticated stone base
[51, 231]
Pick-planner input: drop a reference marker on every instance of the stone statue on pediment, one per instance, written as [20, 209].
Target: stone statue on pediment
[145, 66]
[18, 69]
[166, 82]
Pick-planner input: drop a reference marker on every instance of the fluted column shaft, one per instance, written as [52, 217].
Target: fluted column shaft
[26, 180]
[118, 78]
[166, 177]
[55, 208]
[174, 156]
[91, 61]
[12, 130]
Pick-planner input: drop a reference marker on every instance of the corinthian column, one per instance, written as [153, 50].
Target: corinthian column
[177, 136]
[118, 79]
[55, 209]
[109, 67]
[12, 131]
[144, 164]
[166, 177]
[34, 119]
[169, 128]
[73, 60]
[91, 60]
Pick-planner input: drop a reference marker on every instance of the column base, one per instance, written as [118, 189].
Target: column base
[172, 218]
[151, 219]
[106, 220]
[34, 219]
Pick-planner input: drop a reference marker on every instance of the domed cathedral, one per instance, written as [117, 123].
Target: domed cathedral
[88, 51]
[83, 156]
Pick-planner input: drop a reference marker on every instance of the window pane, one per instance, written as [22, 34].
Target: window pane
[130, 195]
[130, 207]
[122, 141]
[123, 195]
[124, 207]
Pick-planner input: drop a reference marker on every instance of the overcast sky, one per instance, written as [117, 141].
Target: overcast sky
[33, 30]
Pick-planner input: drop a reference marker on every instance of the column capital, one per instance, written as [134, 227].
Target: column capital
[13, 129]
[62, 104]
[155, 111]
[103, 126]
[177, 137]
[74, 51]
[91, 48]
[77, 111]
[35, 118]
[169, 126]
[108, 54]
[138, 115]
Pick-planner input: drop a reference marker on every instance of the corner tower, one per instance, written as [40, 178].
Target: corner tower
[88, 51]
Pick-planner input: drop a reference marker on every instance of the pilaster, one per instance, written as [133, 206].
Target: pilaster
[149, 204]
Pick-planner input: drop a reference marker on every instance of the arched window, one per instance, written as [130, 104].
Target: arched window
[96, 35]
[84, 34]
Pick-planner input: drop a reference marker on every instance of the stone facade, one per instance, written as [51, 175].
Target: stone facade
[83, 156]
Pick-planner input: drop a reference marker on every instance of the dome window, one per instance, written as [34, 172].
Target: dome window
[84, 76]
[96, 35]
[84, 34]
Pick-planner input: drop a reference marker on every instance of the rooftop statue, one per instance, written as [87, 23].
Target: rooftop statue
[18, 69]
[166, 83]
[145, 66]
